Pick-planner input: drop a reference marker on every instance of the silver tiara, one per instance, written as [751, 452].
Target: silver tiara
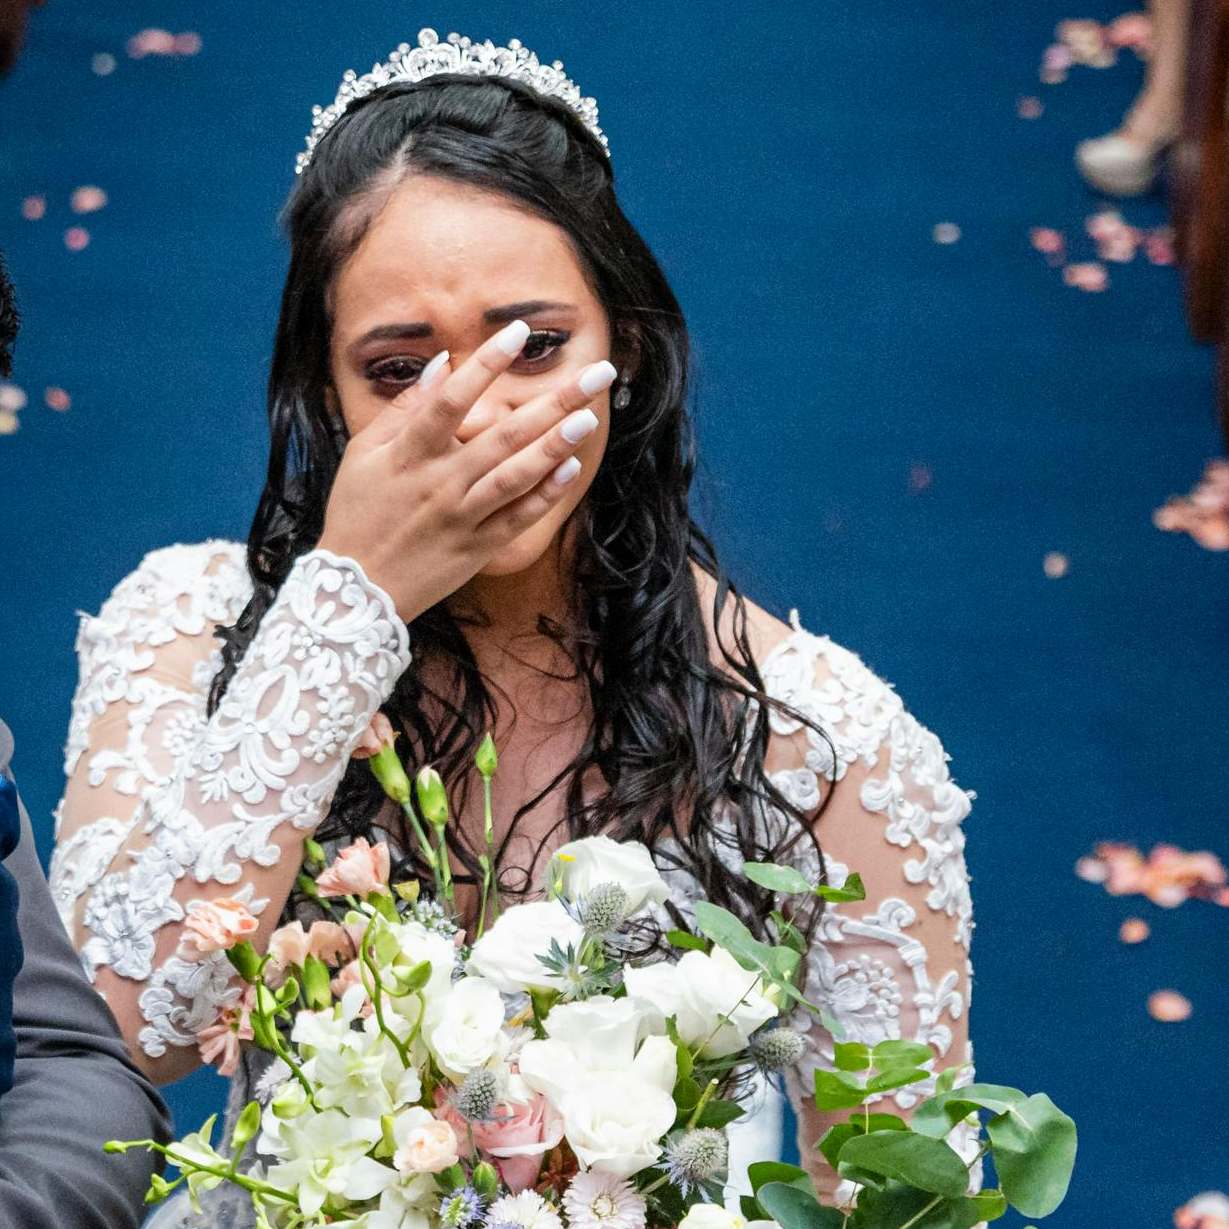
[456, 54]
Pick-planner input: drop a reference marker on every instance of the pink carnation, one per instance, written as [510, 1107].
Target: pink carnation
[359, 869]
[378, 735]
[329, 941]
[288, 944]
[220, 1042]
[214, 926]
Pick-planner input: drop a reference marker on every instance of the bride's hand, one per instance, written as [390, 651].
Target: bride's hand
[422, 512]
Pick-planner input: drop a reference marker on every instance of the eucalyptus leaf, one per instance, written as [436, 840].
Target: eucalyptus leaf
[836, 1137]
[851, 1056]
[688, 942]
[788, 933]
[719, 1114]
[760, 1173]
[1033, 1144]
[792, 1208]
[852, 889]
[835, 1090]
[928, 1164]
[893, 1053]
[777, 878]
[895, 1077]
[937, 1115]
[896, 1205]
[836, 1030]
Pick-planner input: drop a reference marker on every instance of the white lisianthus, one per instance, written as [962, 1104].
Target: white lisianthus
[325, 1155]
[409, 1204]
[698, 991]
[507, 954]
[581, 865]
[464, 1029]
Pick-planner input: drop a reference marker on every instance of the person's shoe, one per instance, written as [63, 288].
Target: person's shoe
[1120, 165]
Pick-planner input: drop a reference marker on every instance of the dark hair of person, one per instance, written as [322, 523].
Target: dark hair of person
[10, 321]
[678, 742]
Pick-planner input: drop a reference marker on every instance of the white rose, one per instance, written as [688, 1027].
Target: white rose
[698, 991]
[583, 864]
[464, 1029]
[507, 954]
[615, 1125]
[714, 1216]
[617, 1047]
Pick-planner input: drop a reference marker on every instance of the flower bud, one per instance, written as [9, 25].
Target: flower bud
[485, 1180]
[486, 760]
[316, 984]
[245, 959]
[432, 798]
[387, 768]
[246, 1125]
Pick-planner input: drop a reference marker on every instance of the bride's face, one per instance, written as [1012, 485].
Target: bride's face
[437, 259]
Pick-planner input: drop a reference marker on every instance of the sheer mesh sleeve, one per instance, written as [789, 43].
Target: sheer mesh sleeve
[167, 809]
[895, 965]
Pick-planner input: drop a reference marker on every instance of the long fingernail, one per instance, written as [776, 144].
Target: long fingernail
[430, 373]
[575, 427]
[565, 472]
[596, 377]
[511, 337]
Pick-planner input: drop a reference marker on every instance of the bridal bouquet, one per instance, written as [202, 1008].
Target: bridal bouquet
[533, 1076]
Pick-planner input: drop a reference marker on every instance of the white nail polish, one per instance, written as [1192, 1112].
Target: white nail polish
[575, 427]
[566, 471]
[430, 373]
[597, 377]
[511, 337]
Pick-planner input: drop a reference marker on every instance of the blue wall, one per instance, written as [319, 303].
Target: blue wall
[788, 173]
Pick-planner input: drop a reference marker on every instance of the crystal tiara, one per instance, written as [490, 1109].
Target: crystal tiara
[456, 54]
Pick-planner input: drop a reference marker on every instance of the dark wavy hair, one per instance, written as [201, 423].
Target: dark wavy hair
[10, 321]
[676, 740]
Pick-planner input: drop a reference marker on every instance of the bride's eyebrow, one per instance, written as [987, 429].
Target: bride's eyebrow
[410, 330]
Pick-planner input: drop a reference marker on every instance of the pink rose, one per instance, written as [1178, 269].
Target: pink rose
[329, 941]
[517, 1137]
[214, 926]
[429, 1148]
[359, 869]
[378, 735]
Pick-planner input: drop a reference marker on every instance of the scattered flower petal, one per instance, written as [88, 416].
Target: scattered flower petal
[1049, 242]
[1134, 930]
[946, 232]
[1168, 876]
[1168, 1006]
[1133, 30]
[76, 238]
[33, 208]
[57, 399]
[8, 422]
[1159, 246]
[88, 199]
[1029, 107]
[12, 398]
[1056, 565]
[151, 42]
[920, 477]
[188, 43]
[1088, 276]
[1204, 513]
[103, 63]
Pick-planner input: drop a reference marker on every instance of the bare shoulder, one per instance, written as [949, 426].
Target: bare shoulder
[765, 632]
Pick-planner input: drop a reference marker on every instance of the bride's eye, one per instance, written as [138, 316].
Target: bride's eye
[398, 372]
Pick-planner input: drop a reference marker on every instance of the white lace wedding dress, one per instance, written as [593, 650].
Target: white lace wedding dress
[165, 806]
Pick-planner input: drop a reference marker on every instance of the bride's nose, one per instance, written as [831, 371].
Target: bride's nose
[484, 413]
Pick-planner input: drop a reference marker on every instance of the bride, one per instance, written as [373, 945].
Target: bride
[476, 516]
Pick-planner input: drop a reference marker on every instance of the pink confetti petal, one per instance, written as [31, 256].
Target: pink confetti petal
[1046, 239]
[188, 43]
[1134, 930]
[1088, 276]
[8, 422]
[88, 199]
[920, 478]
[57, 399]
[946, 232]
[1056, 565]
[76, 238]
[1168, 1006]
[103, 63]
[1029, 107]
[151, 42]
[33, 208]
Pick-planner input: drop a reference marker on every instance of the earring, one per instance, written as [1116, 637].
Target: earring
[623, 394]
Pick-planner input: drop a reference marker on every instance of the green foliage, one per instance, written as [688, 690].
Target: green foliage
[852, 889]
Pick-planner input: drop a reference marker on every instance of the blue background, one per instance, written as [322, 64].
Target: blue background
[788, 171]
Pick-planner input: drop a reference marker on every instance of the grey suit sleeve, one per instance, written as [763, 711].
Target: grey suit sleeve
[75, 1086]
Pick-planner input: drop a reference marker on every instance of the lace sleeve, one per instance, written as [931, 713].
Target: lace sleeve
[167, 809]
[895, 965]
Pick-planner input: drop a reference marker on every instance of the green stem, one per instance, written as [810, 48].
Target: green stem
[376, 991]
[427, 851]
[186, 1164]
[705, 1097]
[445, 864]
